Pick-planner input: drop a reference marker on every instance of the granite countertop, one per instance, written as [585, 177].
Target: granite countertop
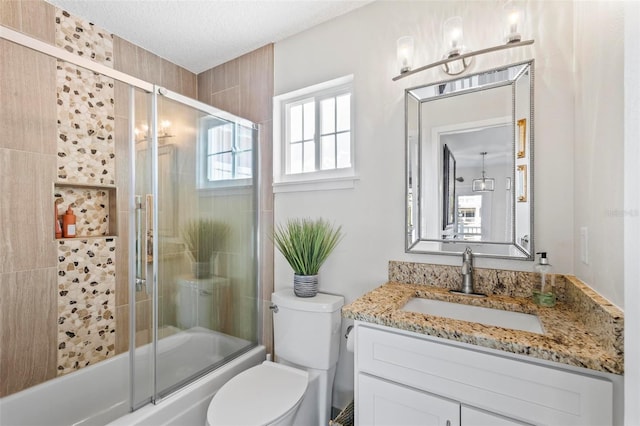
[568, 336]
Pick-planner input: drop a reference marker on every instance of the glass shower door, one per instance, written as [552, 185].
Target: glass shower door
[200, 211]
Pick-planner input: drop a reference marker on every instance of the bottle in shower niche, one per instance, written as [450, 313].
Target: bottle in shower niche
[543, 290]
[69, 224]
[57, 221]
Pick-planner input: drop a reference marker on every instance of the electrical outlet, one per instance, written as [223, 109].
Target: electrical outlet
[584, 245]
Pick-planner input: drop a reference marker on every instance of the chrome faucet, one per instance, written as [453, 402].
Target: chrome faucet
[467, 271]
[467, 275]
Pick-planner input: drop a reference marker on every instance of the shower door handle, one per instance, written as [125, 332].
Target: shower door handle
[141, 252]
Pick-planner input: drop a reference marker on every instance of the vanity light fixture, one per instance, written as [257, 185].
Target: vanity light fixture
[484, 184]
[141, 134]
[457, 59]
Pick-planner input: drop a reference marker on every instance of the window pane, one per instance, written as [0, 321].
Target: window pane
[219, 167]
[309, 120]
[295, 123]
[327, 116]
[243, 165]
[328, 152]
[343, 116]
[344, 150]
[295, 158]
[245, 136]
[220, 138]
[309, 157]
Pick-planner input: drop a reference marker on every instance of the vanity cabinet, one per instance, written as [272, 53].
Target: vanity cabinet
[405, 378]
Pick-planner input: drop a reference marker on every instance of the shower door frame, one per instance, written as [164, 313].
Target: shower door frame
[154, 90]
[158, 394]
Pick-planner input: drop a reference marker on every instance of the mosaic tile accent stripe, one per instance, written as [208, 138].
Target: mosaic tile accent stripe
[86, 149]
[86, 155]
[86, 302]
[91, 207]
[81, 37]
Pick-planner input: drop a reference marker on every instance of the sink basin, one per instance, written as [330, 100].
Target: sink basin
[486, 316]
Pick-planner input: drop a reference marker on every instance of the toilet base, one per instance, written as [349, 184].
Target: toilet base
[315, 408]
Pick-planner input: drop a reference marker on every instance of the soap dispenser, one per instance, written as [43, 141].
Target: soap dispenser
[543, 290]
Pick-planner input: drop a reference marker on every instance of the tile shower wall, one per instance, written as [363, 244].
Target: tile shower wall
[28, 270]
[31, 306]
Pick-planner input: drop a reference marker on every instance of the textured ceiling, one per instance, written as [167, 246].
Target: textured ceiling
[200, 34]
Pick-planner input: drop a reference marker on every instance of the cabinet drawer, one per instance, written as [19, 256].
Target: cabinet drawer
[506, 386]
[382, 403]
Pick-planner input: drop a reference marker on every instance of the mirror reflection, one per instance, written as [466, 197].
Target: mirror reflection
[469, 163]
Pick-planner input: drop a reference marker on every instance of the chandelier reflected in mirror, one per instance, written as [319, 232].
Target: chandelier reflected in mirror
[483, 184]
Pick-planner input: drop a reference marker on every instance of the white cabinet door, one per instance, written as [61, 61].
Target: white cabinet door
[383, 403]
[470, 416]
[512, 387]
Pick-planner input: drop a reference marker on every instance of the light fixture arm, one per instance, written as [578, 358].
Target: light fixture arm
[463, 57]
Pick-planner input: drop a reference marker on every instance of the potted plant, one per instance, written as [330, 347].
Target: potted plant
[306, 244]
[204, 238]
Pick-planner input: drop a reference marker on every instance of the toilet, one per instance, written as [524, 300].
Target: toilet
[296, 389]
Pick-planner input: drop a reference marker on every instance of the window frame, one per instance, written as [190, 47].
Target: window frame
[203, 155]
[334, 178]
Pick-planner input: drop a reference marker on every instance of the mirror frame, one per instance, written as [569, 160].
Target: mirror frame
[417, 244]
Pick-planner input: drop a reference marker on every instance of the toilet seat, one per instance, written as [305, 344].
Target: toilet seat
[258, 396]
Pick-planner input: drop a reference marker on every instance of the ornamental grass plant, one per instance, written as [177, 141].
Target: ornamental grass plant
[204, 237]
[306, 243]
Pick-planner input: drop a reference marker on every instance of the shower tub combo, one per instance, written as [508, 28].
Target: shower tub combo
[195, 331]
[64, 401]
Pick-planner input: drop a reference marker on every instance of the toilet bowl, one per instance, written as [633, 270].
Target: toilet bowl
[297, 389]
[268, 394]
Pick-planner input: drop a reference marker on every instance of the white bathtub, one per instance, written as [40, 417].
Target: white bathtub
[98, 394]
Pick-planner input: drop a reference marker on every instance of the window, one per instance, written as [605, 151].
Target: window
[226, 152]
[327, 148]
[313, 134]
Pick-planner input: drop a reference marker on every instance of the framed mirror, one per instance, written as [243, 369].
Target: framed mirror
[469, 164]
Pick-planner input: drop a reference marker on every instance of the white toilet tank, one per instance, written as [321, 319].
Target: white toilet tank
[307, 329]
[196, 301]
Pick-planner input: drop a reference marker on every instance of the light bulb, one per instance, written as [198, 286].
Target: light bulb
[405, 50]
[514, 21]
[453, 36]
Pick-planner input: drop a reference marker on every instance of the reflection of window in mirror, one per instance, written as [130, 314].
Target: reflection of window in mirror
[470, 217]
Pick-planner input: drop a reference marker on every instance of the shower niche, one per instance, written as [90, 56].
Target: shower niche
[93, 205]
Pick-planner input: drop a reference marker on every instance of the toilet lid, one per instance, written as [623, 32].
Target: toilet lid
[258, 396]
